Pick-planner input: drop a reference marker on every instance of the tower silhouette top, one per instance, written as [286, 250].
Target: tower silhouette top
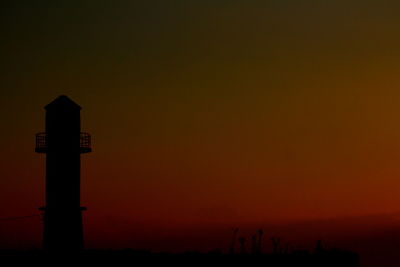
[62, 102]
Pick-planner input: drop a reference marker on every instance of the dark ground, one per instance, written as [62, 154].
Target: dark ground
[331, 258]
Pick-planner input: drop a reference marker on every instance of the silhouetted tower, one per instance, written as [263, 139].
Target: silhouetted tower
[63, 143]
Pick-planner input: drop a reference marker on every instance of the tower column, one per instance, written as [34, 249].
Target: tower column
[63, 143]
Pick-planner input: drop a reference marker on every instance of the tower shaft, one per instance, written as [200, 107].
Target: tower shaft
[63, 144]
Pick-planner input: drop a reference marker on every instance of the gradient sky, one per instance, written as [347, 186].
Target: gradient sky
[206, 112]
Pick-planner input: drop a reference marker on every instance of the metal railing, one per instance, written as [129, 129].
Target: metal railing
[41, 143]
[85, 143]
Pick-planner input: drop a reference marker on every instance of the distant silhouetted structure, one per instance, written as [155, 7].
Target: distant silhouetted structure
[63, 143]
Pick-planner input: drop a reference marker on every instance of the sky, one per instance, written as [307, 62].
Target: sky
[225, 112]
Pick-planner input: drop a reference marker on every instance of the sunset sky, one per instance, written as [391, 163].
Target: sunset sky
[205, 112]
